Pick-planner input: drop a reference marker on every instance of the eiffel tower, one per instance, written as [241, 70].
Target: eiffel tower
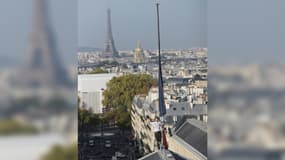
[110, 49]
[43, 67]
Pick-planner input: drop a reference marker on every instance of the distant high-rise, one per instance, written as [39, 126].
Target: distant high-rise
[110, 49]
[44, 67]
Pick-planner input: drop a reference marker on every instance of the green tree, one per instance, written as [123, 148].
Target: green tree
[8, 127]
[119, 95]
[87, 119]
[59, 152]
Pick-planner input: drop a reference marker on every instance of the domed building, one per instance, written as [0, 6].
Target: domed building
[138, 54]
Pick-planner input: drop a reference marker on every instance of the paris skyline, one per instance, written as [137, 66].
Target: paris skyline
[135, 20]
[227, 42]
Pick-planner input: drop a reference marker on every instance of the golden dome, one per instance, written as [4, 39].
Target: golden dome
[139, 47]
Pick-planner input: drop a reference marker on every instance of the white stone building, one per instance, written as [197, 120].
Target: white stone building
[90, 90]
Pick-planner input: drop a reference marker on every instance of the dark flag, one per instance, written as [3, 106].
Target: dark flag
[162, 109]
[161, 103]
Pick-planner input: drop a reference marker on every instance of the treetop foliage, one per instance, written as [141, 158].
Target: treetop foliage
[120, 92]
[59, 152]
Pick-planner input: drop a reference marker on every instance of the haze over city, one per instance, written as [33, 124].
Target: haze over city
[229, 35]
[14, 39]
[246, 31]
[183, 24]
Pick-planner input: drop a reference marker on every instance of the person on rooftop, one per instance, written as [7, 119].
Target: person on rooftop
[156, 128]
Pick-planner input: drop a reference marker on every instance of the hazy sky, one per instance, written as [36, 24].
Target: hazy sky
[183, 23]
[16, 25]
[237, 30]
[246, 31]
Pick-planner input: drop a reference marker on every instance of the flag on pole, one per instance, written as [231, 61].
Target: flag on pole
[162, 108]
[161, 103]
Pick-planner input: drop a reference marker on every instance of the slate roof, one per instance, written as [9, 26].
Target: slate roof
[183, 108]
[193, 134]
[180, 108]
[200, 109]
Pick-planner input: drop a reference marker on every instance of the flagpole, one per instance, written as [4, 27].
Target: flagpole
[158, 31]
[160, 72]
